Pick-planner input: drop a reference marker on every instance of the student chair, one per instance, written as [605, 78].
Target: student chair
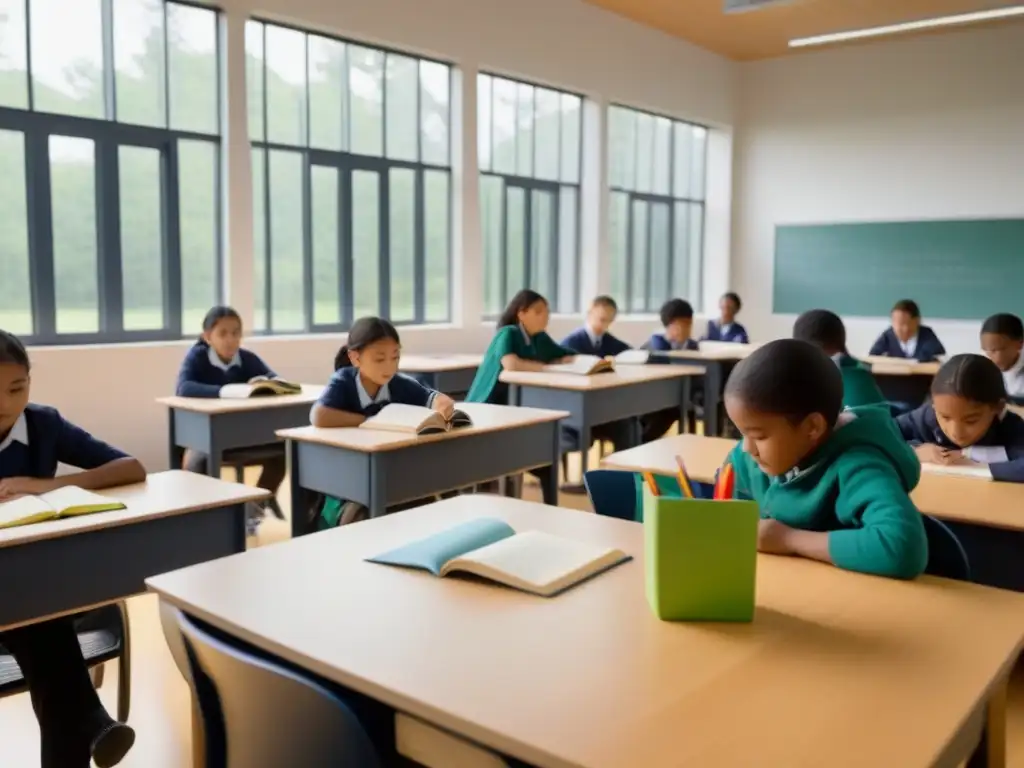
[103, 636]
[612, 493]
[946, 555]
[242, 458]
[257, 711]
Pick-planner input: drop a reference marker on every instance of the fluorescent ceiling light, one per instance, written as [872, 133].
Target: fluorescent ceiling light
[910, 26]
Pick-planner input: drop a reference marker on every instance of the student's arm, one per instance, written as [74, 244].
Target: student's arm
[1011, 470]
[549, 350]
[190, 375]
[658, 343]
[880, 347]
[575, 342]
[742, 337]
[615, 345]
[406, 389]
[254, 366]
[913, 426]
[503, 348]
[331, 409]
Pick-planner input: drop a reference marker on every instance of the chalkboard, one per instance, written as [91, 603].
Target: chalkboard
[963, 269]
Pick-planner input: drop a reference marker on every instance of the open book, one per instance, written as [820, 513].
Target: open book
[260, 386]
[532, 561]
[633, 357]
[63, 502]
[584, 365]
[415, 419]
[978, 471]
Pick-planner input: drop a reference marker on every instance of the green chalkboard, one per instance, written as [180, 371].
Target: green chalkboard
[964, 269]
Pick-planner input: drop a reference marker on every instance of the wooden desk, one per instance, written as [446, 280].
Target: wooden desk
[628, 392]
[174, 519]
[837, 668]
[717, 362]
[213, 425]
[451, 374]
[379, 469]
[902, 381]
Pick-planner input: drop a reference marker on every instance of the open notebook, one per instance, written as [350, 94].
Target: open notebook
[584, 365]
[415, 419]
[63, 502]
[978, 471]
[260, 387]
[532, 561]
[633, 357]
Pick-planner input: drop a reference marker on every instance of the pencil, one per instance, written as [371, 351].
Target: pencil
[684, 479]
[724, 485]
[653, 486]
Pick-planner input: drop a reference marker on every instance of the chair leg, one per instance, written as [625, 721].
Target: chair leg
[96, 675]
[565, 466]
[275, 508]
[240, 474]
[124, 668]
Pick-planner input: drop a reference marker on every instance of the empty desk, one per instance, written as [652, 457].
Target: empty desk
[717, 362]
[451, 374]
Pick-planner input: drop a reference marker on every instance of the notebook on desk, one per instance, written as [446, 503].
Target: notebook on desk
[977, 471]
[583, 365]
[260, 387]
[62, 502]
[416, 420]
[531, 561]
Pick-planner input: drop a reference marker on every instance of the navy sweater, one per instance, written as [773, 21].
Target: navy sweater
[928, 345]
[342, 394]
[737, 334]
[658, 343]
[52, 439]
[199, 377]
[579, 341]
[921, 426]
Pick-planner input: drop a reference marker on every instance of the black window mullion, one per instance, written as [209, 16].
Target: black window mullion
[40, 235]
[420, 248]
[173, 299]
[108, 237]
[384, 239]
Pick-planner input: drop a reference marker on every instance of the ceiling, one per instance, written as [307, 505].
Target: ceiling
[766, 31]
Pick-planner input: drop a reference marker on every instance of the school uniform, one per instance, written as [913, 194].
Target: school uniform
[1014, 380]
[69, 712]
[654, 425]
[731, 332]
[584, 341]
[511, 340]
[1001, 447]
[660, 343]
[859, 385]
[203, 374]
[856, 487]
[924, 347]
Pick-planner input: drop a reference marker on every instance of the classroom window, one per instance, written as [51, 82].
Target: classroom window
[351, 181]
[656, 214]
[529, 141]
[110, 156]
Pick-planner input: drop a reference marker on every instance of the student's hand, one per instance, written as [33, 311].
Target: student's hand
[12, 487]
[565, 360]
[444, 405]
[773, 537]
[929, 453]
[957, 459]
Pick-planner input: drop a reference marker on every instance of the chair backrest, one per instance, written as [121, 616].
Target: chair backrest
[946, 555]
[612, 493]
[257, 712]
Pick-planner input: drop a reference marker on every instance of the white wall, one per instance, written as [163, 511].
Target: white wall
[566, 43]
[921, 128]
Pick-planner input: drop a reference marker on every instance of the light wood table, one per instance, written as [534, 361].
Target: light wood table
[213, 426]
[838, 668]
[451, 374]
[630, 391]
[717, 361]
[378, 469]
[172, 520]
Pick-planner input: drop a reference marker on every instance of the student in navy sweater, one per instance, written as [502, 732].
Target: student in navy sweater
[215, 360]
[74, 727]
[594, 337]
[1002, 340]
[726, 328]
[967, 422]
[366, 379]
[677, 320]
[906, 337]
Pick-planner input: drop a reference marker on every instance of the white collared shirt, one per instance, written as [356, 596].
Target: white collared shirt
[909, 346]
[594, 338]
[216, 362]
[365, 401]
[18, 434]
[724, 329]
[526, 336]
[1014, 378]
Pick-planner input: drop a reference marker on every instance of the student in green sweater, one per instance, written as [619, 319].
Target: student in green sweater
[826, 331]
[831, 486]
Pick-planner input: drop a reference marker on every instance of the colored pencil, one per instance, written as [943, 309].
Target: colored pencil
[684, 479]
[725, 484]
[653, 486]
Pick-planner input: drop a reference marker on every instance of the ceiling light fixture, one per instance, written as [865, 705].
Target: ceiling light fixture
[910, 26]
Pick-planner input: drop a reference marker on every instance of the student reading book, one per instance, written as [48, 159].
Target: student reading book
[74, 727]
[594, 338]
[399, 417]
[532, 561]
[68, 501]
[260, 387]
[1002, 339]
[582, 365]
[906, 337]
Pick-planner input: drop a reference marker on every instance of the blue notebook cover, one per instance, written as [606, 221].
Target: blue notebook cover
[431, 553]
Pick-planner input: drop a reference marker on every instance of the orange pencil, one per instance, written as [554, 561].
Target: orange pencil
[684, 479]
[653, 486]
[725, 484]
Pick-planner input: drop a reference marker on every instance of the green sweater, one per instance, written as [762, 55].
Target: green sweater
[855, 486]
[511, 340]
[859, 386]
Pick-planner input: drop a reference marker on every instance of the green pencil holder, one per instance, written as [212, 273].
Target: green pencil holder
[700, 558]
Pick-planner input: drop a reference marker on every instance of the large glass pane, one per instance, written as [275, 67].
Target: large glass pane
[366, 95]
[548, 128]
[286, 87]
[645, 151]
[483, 121]
[402, 243]
[401, 106]
[504, 125]
[192, 59]
[73, 205]
[568, 265]
[515, 241]
[142, 251]
[525, 130]
[366, 242]
[324, 192]
[638, 257]
[622, 148]
[660, 254]
[13, 58]
[542, 244]
[435, 112]
[618, 243]
[571, 137]
[15, 287]
[198, 168]
[67, 58]
[139, 62]
[327, 92]
[662, 156]
[490, 223]
[681, 251]
[682, 161]
[259, 240]
[254, 64]
[287, 242]
[437, 269]
[698, 173]
[696, 254]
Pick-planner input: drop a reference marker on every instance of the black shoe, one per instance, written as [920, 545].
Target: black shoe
[112, 744]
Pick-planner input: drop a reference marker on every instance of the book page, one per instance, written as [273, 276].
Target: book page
[236, 391]
[71, 497]
[581, 364]
[536, 562]
[26, 509]
[399, 417]
[633, 357]
[434, 551]
[977, 471]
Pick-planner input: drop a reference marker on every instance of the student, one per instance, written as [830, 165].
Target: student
[831, 486]
[726, 328]
[826, 331]
[1002, 339]
[966, 421]
[594, 338]
[73, 725]
[677, 321]
[907, 338]
[366, 379]
[215, 360]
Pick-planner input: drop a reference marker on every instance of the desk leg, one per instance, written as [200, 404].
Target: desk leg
[712, 398]
[301, 500]
[549, 475]
[378, 487]
[684, 405]
[216, 453]
[175, 455]
[991, 750]
[198, 736]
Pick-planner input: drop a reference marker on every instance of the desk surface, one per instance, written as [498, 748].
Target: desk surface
[486, 418]
[963, 499]
[719, 352]
[438, 363]
[163, 494]
[895, 366]
[825, 675]
[622, 376]
[213, 405]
